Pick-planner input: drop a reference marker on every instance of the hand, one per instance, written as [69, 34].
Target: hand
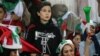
[88, 40]
[15, 17]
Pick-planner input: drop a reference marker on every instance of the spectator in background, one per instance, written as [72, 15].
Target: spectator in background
[18, 8]
[76, 38]
[66, 48]
[8, 36]
[17, 14]
[90, 45]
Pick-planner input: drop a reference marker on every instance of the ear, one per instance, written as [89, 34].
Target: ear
[38, 13]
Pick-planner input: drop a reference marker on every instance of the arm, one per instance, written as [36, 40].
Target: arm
[57, 40]
[84, 49]
[81, 48]
[87, 46]
[86, 52]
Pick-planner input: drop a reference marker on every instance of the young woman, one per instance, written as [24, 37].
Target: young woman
[66, 48]
[44, 34]
[90, 45]
[76, 38]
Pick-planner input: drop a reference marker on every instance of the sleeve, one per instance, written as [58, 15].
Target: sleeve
[30, 37]
[58, 39]
[81, 48]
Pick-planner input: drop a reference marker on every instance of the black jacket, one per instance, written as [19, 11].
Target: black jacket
[47, 30]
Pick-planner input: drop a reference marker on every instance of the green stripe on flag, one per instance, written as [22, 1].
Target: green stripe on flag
[1, 49]
[15, 35]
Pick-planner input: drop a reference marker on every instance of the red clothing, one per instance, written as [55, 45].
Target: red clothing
[4, 31]
[77, 52]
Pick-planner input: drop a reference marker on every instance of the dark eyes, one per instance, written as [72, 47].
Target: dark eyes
[92, 27]
[68, 51]
[46, 10]
[77, 39]
[0, 11]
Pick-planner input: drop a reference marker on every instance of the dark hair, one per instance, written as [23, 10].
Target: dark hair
[2, 6]
[6, 52]
[42, 4]
[71, 36]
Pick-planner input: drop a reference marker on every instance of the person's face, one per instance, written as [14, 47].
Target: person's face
[77, 40]
[2, 14]
[13, 53]
[45, 13]
[68, 51]
[91, 31]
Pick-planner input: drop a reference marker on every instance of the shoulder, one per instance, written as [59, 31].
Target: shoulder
[55, 28]
[82, 44]
[31, 26]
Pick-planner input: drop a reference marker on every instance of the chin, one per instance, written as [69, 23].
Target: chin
[46, 19]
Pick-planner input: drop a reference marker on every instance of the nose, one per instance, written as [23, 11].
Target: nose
[47, 13]
[78, 41]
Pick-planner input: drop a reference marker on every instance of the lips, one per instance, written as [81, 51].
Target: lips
[47, 16]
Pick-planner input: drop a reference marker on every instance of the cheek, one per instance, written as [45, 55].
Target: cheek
[74, 41]
[41, 15]
[2, 15]
[50, 14]
[78, 40]
[73, 53]
[65, 54]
